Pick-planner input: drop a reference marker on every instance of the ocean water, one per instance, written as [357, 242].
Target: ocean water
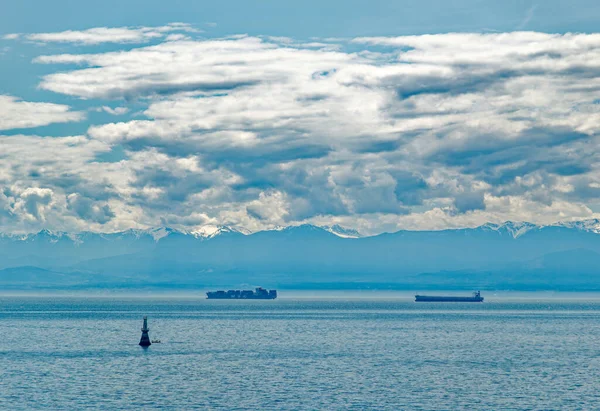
[299, 354]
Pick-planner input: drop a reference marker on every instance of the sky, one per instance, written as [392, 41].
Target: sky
[378, 115]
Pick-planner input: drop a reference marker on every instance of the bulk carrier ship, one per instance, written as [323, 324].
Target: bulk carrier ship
[476, 298]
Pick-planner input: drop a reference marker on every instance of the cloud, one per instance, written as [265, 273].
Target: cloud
[16, 113]
[33, 202]
[425, 131]
[116, 111]
[527, 18]
[99, 35]
[38, 174]
[177, 37]
[88, 209]
[469, 202]
[498, 209]
[184, 66]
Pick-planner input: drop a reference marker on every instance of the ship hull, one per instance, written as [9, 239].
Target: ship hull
[441, 299]
[209, 297]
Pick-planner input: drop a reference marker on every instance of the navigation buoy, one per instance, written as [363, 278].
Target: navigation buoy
[145, 340]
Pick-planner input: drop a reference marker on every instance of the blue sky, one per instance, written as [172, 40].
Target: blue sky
[374, 115]
[308, 18]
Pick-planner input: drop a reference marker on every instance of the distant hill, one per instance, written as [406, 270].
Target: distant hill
[517, 256]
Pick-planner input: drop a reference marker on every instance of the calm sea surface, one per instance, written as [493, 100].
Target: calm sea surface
[299, 354]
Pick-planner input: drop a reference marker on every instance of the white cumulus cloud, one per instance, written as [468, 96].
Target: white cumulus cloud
[16, 113]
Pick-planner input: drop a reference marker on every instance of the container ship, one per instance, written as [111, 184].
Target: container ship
[475, 298]
[258, 294]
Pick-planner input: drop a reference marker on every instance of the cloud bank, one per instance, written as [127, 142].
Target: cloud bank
[99, 35]
[382, 133]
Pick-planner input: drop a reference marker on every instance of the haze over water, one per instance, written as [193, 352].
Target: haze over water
[299, 353]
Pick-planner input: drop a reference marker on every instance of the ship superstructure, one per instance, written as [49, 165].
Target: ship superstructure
[258, 294]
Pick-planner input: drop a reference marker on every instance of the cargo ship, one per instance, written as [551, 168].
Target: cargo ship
[258, 294]
[475, 298]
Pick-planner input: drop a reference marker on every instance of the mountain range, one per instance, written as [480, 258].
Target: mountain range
[508, 256]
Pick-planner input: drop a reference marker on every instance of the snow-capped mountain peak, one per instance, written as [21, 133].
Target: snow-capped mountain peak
[341, 231]
[160, 232]
[156, 233]
[513, 228]
[334, 229]
[211, 231]
[591, 225]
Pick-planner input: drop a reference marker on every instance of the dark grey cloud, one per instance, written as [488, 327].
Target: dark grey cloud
[177, 186]
[164, 89]
[89, 209]
[469, 202]
[410, 187]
